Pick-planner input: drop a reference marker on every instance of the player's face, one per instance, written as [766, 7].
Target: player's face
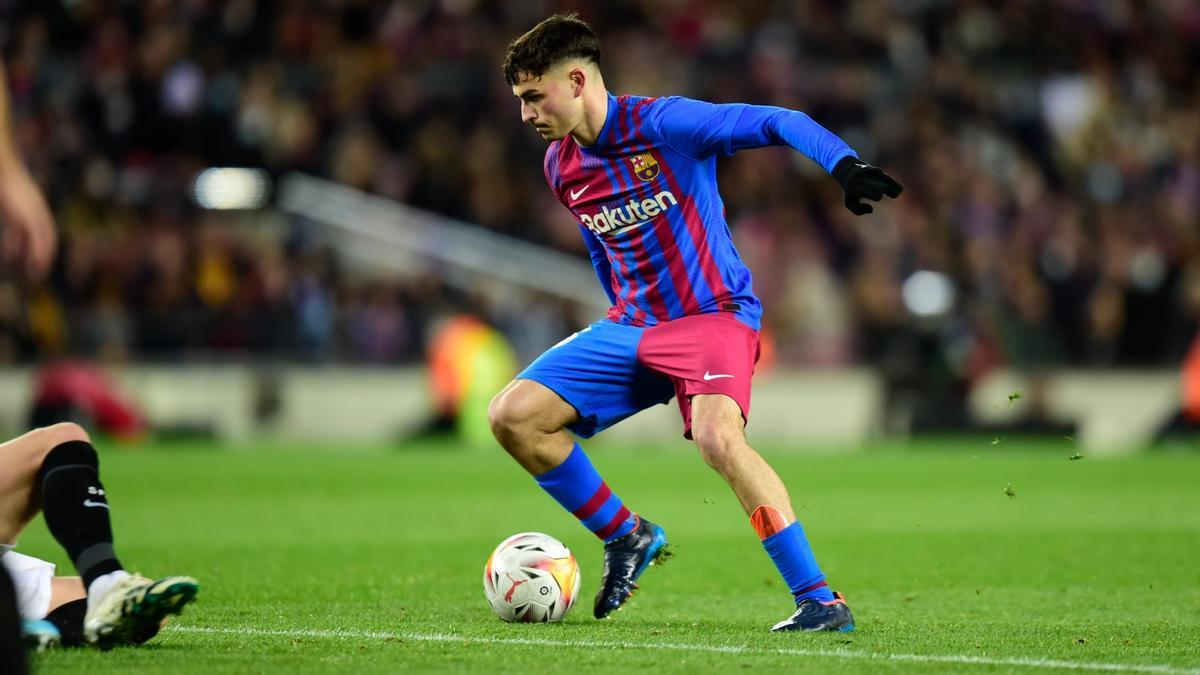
[550, 103]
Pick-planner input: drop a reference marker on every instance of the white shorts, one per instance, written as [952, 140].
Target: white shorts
[31, 577]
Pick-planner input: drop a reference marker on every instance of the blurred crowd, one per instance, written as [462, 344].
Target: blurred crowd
[1050, 153]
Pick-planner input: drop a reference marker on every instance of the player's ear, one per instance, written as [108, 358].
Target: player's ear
[578, 79]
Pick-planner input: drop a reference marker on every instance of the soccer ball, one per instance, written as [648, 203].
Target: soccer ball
[531, 577]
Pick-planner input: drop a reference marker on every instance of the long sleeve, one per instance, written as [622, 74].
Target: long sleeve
[600, 262]
[699, 129]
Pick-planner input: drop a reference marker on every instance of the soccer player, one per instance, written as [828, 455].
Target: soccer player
[640, 176]
[27, 237]
[56, 469]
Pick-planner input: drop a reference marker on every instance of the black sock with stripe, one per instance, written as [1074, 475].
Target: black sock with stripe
[76, 508]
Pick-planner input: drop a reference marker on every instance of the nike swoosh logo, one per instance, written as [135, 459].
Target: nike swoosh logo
[88, 502]
[627, 228]
[576, 195]
[708, 376]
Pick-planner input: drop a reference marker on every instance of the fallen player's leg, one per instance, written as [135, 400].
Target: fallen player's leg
[57, 469]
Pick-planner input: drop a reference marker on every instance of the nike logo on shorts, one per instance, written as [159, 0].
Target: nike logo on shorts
[576, 195]
[88, 502]
[709, 376]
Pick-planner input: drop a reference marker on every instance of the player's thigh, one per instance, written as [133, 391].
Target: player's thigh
[717, 422]
[20, 460]
[597, 373]
[18, 495]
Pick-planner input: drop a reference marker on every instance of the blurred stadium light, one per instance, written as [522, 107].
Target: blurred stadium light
[230, 189]
[928, 294]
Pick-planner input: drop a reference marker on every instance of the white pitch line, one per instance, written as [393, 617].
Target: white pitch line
[964, 659]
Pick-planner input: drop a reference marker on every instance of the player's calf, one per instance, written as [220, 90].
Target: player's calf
[75, 506]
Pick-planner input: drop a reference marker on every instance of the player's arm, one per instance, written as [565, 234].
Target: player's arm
[26, 226]
[600, 262]
[700, 129]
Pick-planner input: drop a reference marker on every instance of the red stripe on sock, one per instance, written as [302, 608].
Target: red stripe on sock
[591, 506]
[614, 524]
[811, 588]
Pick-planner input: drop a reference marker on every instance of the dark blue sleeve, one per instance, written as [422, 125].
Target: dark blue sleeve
[600, 262]
[699, 129]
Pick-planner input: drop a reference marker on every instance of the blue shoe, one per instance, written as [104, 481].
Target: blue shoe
[624, 561]
[39, 635]
[814, 615]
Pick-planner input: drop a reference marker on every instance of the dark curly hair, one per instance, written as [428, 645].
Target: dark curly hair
[554, 40]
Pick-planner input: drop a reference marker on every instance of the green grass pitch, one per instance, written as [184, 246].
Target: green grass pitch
[369, 560]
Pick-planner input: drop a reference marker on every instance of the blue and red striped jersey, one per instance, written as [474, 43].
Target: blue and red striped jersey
[645, 194]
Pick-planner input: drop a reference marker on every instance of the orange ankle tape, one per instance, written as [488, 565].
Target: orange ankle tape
[767, 520]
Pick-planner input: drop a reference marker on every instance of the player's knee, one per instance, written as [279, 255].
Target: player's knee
[506, 415]
[66, 431]
[46, 439]
[719, 445]
[521, 412]
[495, 414]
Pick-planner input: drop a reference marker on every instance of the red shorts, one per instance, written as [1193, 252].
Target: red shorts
[703, 354]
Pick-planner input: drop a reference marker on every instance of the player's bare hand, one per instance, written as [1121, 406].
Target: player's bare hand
[27, 234]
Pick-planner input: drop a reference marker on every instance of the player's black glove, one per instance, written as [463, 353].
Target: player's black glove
[860, 180]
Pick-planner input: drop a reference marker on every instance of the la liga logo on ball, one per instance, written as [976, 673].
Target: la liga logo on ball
[531, 577]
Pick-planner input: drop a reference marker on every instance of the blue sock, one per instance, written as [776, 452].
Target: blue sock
[576, 485]
[790, 552]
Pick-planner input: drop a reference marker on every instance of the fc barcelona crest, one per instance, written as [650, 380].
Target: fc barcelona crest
[645, 166]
